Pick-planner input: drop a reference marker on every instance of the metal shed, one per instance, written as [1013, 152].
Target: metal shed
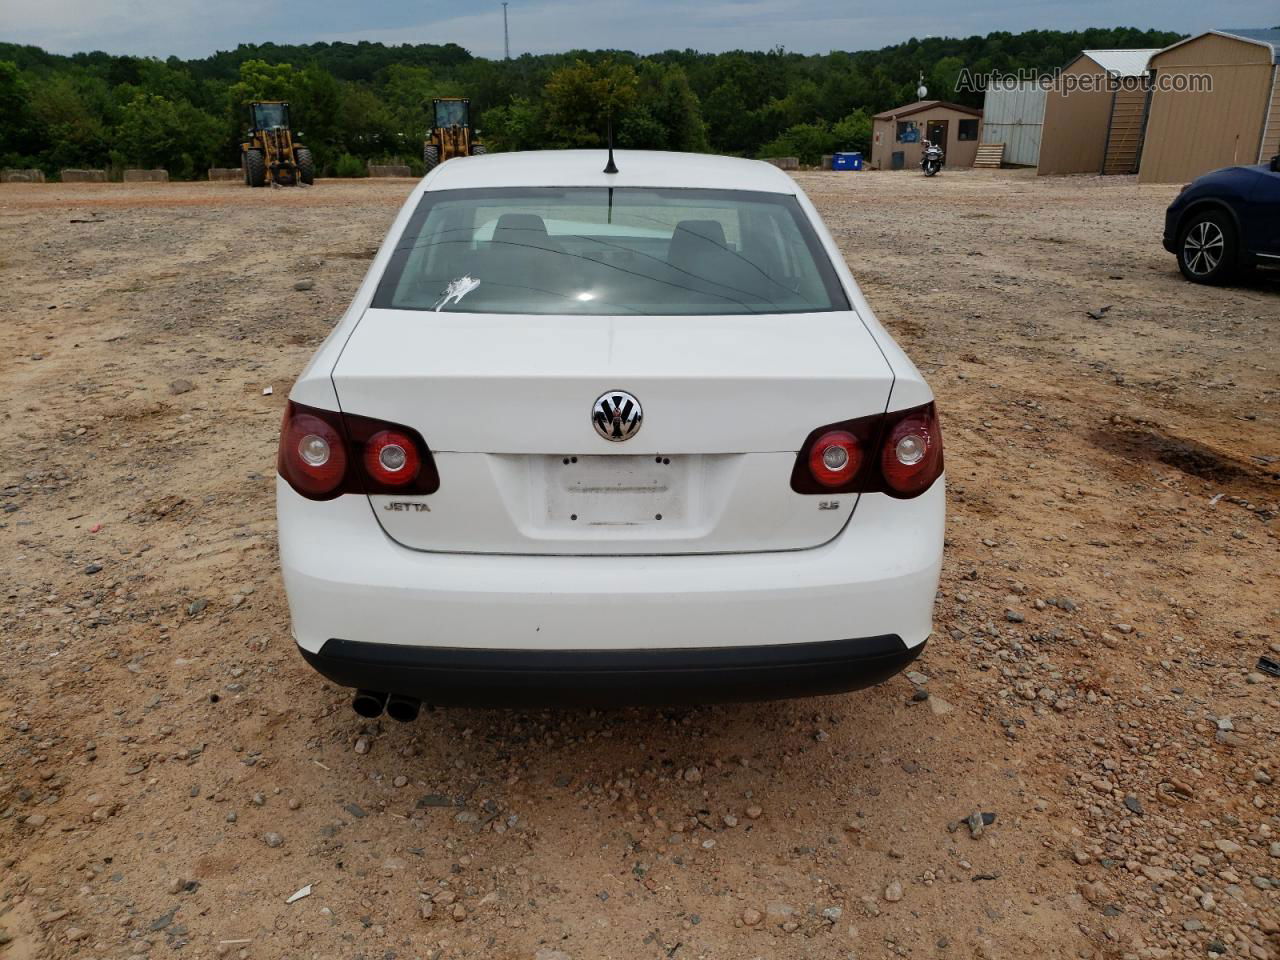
[1192, 130]
[898, 134]
[1095, 115]
[1014, 116]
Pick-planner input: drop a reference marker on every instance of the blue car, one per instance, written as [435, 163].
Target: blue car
[1225, 222]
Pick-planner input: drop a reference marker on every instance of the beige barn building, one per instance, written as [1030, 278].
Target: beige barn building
[1097, 125]
[1190, 132]
[898, 134]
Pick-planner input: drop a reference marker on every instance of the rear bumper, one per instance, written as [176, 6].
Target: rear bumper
[536, 678]
[368, 612]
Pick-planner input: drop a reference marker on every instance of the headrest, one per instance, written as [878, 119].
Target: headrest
[710, 231]
[520, 228]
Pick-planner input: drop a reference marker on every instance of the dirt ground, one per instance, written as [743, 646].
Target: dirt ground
[171, 771]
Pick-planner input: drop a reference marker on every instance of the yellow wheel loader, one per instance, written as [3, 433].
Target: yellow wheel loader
[451, 136]
[269, 154]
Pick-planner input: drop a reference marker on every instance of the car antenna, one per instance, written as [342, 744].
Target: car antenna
[611, 167]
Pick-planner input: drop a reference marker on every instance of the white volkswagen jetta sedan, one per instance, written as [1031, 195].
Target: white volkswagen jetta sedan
[611, 438]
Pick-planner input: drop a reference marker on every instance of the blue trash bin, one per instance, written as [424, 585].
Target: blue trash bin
[846, 161]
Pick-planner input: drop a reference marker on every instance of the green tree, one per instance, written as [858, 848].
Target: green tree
[853, 132]
[156, 132]
[802, 103]
[808, 141]
[72, 124]
[943, 77]
[315, 108]
[639, 129]
[729, 120]
[21, 133]
[678, 109]
[520, 125]
[368, 129]
[580, 99]
[259, 80]
[148, 131]
[408, 92]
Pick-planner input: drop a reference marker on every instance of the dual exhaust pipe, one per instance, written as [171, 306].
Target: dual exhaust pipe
[371, 703]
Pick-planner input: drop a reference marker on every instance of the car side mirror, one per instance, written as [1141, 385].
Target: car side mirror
[1275, 163]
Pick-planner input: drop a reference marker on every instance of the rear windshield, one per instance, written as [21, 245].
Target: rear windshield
[609, 251]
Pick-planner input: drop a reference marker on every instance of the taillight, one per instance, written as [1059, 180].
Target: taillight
[324, 454]
[312, 456]
[906, 462]
[838, 458]
[835, 458]
[911, 458]
[391, 458]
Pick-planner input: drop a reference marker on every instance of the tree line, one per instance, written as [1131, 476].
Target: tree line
[361, 102]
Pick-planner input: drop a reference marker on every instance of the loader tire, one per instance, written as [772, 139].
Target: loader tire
[255, 168]
[306, 166]
[430, 157]
[478, 150]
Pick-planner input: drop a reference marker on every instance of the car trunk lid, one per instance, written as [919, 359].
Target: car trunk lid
[505, 402]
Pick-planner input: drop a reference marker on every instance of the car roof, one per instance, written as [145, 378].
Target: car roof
[585, 168]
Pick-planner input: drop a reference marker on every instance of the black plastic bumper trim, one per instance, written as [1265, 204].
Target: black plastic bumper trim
[488, 677]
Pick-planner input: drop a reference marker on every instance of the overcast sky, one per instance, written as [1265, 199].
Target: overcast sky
[196, 28]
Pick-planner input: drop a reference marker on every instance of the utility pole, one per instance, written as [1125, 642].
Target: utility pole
[506, 36]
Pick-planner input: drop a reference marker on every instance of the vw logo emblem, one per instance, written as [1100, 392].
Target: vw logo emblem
[617, 416]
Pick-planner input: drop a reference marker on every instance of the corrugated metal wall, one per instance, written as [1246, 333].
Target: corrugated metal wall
[1191, 133]
[1124, 139]
[1016, 119]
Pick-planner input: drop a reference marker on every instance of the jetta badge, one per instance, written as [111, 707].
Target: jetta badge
[617, 416]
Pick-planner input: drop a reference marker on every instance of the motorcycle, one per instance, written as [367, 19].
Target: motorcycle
[931, 159]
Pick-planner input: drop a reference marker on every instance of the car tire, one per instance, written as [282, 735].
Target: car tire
[1208, 248]
[430, 157]
[306, 166]
[255, 167]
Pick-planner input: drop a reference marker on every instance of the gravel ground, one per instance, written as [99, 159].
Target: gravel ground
[171, 772]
